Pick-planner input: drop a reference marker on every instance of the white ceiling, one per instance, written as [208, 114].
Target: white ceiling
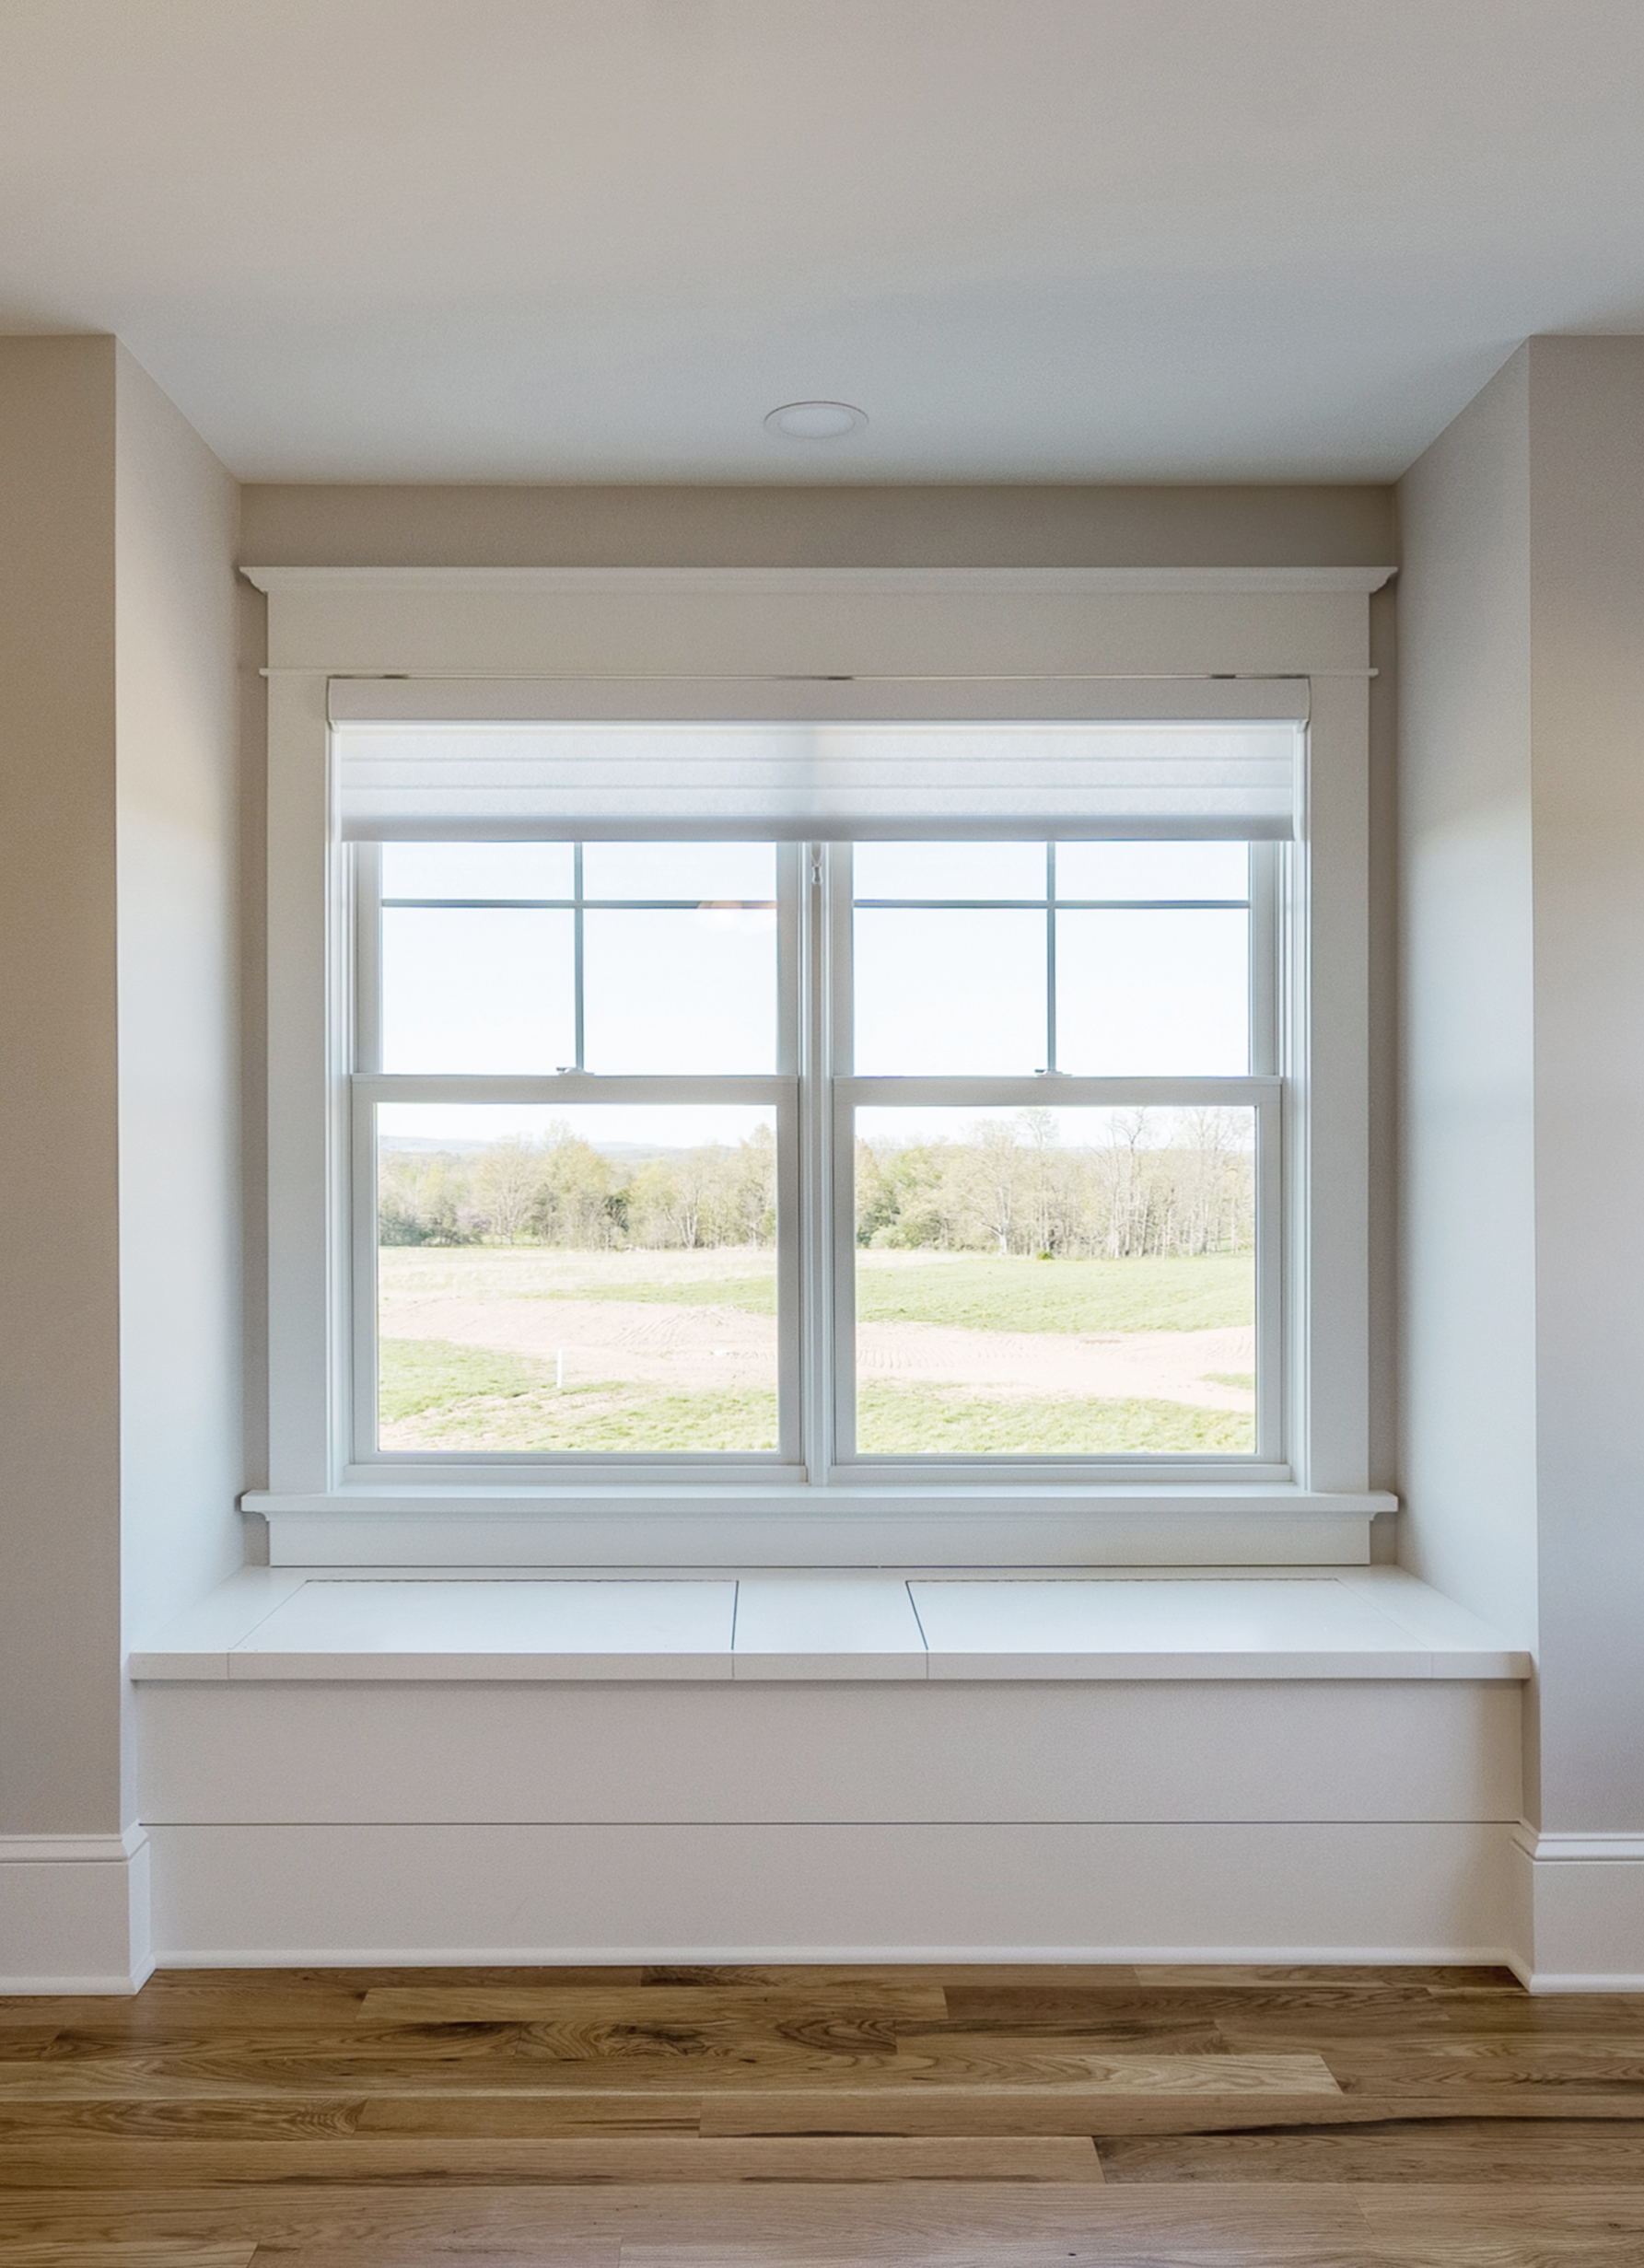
[1035, 240]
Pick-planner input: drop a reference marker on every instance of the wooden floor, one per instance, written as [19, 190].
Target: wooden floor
[640, 2118]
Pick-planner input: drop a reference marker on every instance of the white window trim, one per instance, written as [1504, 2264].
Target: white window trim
[1143, 625]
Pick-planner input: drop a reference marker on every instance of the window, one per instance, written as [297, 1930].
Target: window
[892, 1156]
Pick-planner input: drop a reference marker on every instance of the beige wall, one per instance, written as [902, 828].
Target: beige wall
[1467, 1334]
[120, 1355]
[59, 1318]
[178, 809]
[813, 527]
[1523, 799]
[1587, 802]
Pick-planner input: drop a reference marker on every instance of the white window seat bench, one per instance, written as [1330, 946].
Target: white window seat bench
[507, 1626]
[504, 1766]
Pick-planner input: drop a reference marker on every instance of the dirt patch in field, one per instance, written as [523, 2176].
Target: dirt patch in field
[695, 1348]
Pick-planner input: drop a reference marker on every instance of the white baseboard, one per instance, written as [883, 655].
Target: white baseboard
[870, 1956]
[307, 1896]
[1580, 1911]
[75, 1913]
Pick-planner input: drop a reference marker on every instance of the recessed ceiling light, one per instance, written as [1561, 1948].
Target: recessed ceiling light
[815, 421]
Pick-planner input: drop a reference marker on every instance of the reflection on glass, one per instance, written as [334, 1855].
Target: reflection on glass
[949, 870]
[699, 870]
[946, 993]
[476, 990]
[1152, 869]
[477, 870]
[688, 993]
[591, 1279]
[1153, 993]
[1056, 1283]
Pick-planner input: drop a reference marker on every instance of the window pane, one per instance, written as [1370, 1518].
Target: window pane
[1056, 1283]
[949, 993]
[696, 870]
[595, 1277]
[465, 990]
[476, 869]
[1152, 869]
[948, 869]
[690, 991]
[1152, 994]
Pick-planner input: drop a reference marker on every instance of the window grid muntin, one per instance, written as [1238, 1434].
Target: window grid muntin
[576, 905]
[1257, 868]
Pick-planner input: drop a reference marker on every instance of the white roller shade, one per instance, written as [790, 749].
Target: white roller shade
[831, 777]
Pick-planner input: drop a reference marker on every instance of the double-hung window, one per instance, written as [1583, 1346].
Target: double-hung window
[826, 1156]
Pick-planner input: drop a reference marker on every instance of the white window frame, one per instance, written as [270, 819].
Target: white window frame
[1132, 629]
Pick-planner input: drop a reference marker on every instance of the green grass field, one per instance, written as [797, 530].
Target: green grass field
[980, 1293]
[975, 1291]
[434, 1394]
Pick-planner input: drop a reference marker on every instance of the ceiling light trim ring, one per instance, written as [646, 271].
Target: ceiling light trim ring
[815, 421]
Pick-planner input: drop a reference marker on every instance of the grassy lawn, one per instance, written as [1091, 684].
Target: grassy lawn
[894, 1420]
[472, 1398]
[417, 1377]
[460, 1397]
[980, 1293]
[975, 1291]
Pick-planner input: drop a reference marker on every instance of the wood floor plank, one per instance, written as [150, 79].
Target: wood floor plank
[116, 2160]
[1071, 2110]
[1580, 2016]
[249, 2118]
[245, 2119]
[922, 2213]
[1301, 2013]
[803, 1977]
[1341, 1977]
[207, 2077]
[1399, 2150]
[499, 2115]
[1508, 2224]
[1274, 2247]
[649, 2003]
[510, 2253]
[1028, 2004]
[1592, 2066]
[1087, 2063]
[1197, 2222]
[1080, 2110]
[140, 2254]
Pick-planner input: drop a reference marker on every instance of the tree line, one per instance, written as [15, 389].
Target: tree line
[563, 1192]
[1175, 1184]
[1012, 1188]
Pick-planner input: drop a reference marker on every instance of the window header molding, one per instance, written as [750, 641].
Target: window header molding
[817, 582]
[904, 629]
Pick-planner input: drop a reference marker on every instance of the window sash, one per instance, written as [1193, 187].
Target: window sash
[815, 1096]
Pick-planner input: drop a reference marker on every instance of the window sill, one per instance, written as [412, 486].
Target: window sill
[269, 1624]
[1006, 1524]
